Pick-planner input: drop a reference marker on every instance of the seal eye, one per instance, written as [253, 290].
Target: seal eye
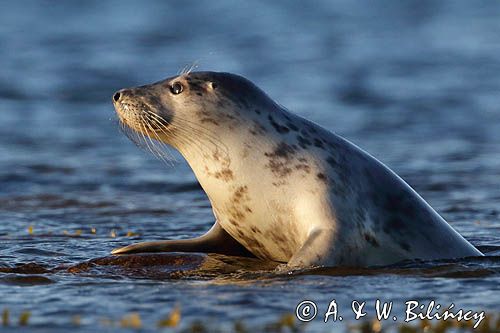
[176, 88]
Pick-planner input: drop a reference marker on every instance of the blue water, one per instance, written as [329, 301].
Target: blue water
[415, 83]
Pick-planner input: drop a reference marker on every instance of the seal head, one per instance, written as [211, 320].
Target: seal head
[208, 100]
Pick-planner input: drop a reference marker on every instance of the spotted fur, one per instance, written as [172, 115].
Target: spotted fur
[284, 188]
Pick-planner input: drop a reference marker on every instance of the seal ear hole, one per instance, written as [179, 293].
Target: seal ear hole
[176, 88]
[213, 85]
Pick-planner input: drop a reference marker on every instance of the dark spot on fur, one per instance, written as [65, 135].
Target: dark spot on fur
[305, 133]
[399, 206]
[239, 193]
[280, 169]
[233, 222]
[239, 208]
[216, 155]
[305, 167]
[196, 86]
[370, 239]
[224, 174]
[255, 230]
[303, 142]
[221, 103]
[321, 177]
[311, 129]
[333, 163]
[257, 129]
[209, 120]
[279, 128]
[333, 147]
[243, 102]
[207, 117]
[229, 116]
[292, 126]
[199, 94]
[237, 214]
[280, 158]
[318, 143]
[282, 150]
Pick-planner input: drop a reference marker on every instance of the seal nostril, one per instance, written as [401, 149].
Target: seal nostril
[116, 97]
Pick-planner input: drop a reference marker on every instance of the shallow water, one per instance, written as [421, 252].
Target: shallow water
[415, 83]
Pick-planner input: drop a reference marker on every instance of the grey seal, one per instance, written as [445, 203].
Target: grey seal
[282, 188]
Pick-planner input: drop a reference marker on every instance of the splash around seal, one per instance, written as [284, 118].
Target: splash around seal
[281, 187]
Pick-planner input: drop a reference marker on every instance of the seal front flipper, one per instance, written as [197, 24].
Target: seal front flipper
[316, 250]
[216, 240]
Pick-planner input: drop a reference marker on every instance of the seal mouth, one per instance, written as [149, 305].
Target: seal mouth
[139, 117]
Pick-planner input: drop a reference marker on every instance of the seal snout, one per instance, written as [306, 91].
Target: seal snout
[121, 94]
[142, 110]
[127, 107]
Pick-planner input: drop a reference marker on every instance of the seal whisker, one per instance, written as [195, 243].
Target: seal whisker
[132, 134]
[193, 66]
[138, 139]
[164, 127]
[143, 129]
[155, 146]
[189, 127]
[202, 139]
[203, 136]
[182, 70]
[188, 68]
[161, 148]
